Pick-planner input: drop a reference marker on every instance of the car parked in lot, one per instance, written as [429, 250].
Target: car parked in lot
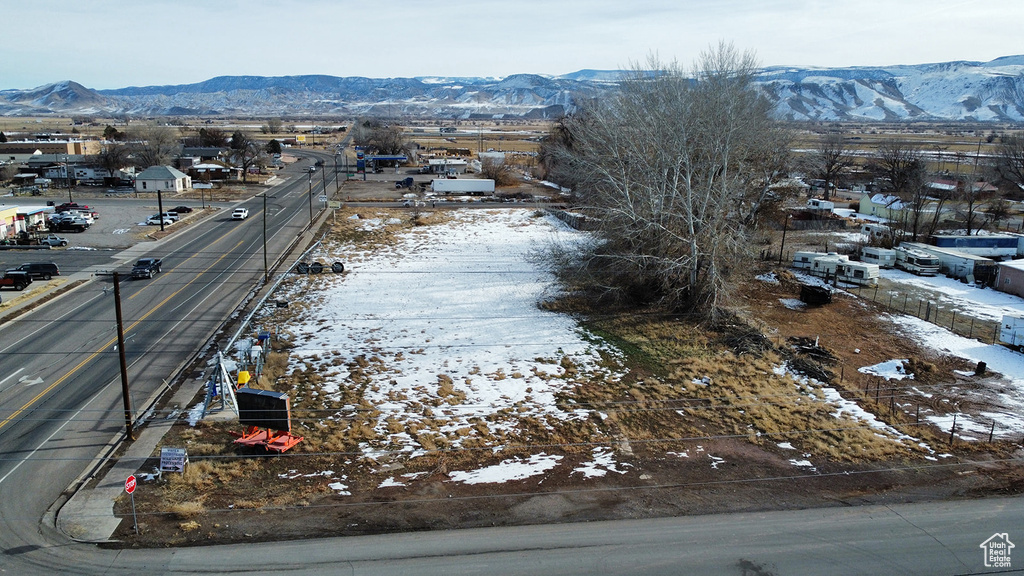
[146, 268]
[53, 240]
[182, 210]
[156, 220]
[240, 214]
[44, 270]
[15, 279]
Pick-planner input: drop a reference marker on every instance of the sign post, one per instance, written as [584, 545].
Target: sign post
[129, 487]
[173, 459]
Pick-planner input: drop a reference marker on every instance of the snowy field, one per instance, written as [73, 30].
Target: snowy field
[982, 303]
[1008, 392]
[442, 334]
[449, 340]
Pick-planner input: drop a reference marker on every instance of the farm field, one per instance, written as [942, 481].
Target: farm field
[443, 381]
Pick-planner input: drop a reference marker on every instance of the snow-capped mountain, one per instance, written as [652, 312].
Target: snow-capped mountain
[975, 91]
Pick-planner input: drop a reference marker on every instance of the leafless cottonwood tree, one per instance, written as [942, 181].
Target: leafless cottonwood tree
[829, 160]
[113, 157]
[246, 152]
[901, 167]
[674, 167]
[153, 145]
[1010, 160]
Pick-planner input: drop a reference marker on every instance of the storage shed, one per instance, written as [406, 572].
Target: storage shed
[1011, 277]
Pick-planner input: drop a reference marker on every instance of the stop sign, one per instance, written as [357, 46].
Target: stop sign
[129, 484]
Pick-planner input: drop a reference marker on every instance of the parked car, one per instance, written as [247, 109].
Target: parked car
[54, 240]
[69, 225]
[156, 220]
[146, 268]
[240, 214]
[71, 206]
[15, 279]
[182, 210]
[44, 270]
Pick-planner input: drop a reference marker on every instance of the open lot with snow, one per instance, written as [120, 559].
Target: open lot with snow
[437, 385]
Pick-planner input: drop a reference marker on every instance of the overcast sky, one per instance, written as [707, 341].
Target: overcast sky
[117, 43]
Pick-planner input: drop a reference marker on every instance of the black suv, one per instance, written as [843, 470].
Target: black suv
[44, 270]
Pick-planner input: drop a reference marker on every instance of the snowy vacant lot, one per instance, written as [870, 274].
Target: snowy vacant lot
[443, 335]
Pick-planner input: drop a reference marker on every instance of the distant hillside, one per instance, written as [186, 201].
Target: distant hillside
[949, 91]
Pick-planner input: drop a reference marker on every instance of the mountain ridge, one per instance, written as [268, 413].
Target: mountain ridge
[958, 90]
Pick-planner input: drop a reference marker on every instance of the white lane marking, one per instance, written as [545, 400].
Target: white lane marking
[11, 376]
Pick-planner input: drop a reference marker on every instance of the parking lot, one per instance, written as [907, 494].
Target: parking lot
[120, 225]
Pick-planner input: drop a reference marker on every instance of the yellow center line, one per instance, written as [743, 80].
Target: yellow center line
[111, 342]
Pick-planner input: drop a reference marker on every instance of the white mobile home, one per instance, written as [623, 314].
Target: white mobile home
[881, 257]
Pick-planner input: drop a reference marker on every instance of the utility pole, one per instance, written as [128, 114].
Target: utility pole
[266, 268]
[323, 177]
[337, 182]
[130, 432]
[160, 208]
[310, 200]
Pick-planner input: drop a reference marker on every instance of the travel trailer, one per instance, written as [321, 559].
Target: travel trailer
[882, 257]
[838, 267]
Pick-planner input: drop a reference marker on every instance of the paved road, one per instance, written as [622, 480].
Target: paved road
[926, 539]
[60, 399]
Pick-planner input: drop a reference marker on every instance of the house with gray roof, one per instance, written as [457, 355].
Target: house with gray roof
[162, 179]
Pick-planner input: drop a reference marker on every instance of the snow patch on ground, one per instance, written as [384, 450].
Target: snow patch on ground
[508, 470]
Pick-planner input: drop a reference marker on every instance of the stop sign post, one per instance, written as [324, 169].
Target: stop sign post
[129, 487]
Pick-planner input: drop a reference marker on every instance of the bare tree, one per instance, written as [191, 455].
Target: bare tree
[153, 145]
[500, 172]
[1010, 160]
[902, 169]
[246, 152]
[829, 160]
[114, 157]
[273, 126]
[666, 167]
[970, 195]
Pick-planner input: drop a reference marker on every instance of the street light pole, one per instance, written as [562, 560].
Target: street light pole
[310, 200]
[337, 183]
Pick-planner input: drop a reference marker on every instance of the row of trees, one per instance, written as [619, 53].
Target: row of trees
[902, 170]
[145, 146]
